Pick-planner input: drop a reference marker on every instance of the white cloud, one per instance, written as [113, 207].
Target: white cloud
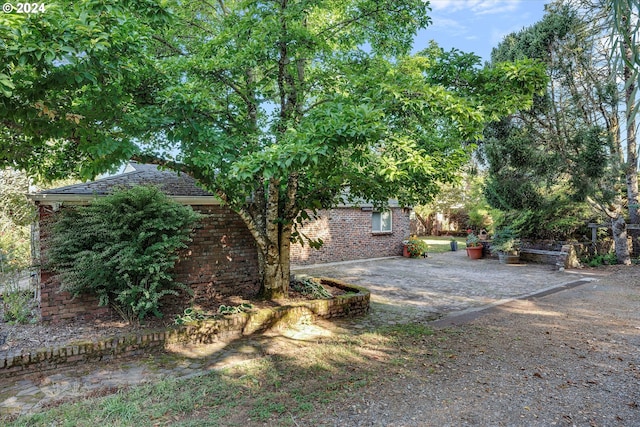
[477, 7]
[447, 5]
[450, 26]
[496, 6]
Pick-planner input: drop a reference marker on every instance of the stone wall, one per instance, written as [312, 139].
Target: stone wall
[346, 233]
[222, 255]
[563, 258]
[564, 254]
[354, 303]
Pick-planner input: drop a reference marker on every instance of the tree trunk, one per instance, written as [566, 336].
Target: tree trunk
[619, 228]
[274, 277]
[275, 266]
[632, 197]
[424, 222]
[632, 158]
[269, 218]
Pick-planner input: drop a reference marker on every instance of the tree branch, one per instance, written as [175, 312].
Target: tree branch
[167, 44]
[169, 164]
[343, 24]
[223, 8]
[254, 228]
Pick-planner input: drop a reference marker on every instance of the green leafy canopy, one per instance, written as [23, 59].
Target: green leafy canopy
[275, 106]
[68, 83]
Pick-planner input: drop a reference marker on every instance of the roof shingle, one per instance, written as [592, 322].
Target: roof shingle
[169, 182]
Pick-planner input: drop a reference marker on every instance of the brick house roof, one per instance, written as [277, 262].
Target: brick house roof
[169, 182]
[178, 186]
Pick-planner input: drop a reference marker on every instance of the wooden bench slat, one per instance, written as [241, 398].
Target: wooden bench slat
[542, 252]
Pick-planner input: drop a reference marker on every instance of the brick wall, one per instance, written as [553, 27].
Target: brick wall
[346, 233]
[221, 255]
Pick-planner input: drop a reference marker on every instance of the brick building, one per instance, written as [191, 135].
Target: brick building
[222, 253]
[354, 232]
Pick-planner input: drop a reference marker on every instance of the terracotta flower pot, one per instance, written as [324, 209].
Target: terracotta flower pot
[405, 252]
[474, 252]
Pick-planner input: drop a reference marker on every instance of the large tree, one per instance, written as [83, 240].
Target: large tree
[278, 107]
[544, 162]
[570, 147]
[622, 17]
[70, 79]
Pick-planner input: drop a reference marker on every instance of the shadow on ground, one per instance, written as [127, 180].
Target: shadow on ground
[536, 362]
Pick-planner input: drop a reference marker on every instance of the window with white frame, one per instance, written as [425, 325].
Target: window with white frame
[381, 222]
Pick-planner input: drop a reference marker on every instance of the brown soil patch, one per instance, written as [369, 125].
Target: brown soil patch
[30, 337]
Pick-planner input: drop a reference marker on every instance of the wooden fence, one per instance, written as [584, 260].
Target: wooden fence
[594, 229]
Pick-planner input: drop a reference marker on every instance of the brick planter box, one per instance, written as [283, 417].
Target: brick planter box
[354, 303]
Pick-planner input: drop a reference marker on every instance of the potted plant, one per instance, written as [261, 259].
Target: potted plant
[507, 244]
[454, 244]
[415, 247]
[474, 247]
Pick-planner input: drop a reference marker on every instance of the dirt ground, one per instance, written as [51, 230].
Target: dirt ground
[570, 358]
[17, 338]
[420, 289]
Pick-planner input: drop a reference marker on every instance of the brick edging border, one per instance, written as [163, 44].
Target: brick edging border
[354, 303]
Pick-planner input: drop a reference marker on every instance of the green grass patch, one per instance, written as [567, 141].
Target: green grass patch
[264, 410]
[409, 330]
[281, 389]
[440, 244]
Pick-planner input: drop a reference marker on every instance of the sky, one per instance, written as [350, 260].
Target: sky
[477, 25]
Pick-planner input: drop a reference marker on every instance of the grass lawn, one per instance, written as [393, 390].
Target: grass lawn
[438, 244]
[284, 388]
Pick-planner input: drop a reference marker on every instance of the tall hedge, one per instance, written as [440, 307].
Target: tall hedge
[122, 249]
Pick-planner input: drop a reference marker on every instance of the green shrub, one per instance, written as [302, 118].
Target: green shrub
[556, 220]
[473, 240]
[192, 314]
[505, 240]
[600, 259]
[310, 286]
[416, 247]
[17, 304]
[235, 309]
[15, 253]
[121, 248]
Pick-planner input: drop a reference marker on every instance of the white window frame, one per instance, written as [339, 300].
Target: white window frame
[381, 214]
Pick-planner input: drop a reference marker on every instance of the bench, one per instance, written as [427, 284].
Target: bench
[564, 258]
